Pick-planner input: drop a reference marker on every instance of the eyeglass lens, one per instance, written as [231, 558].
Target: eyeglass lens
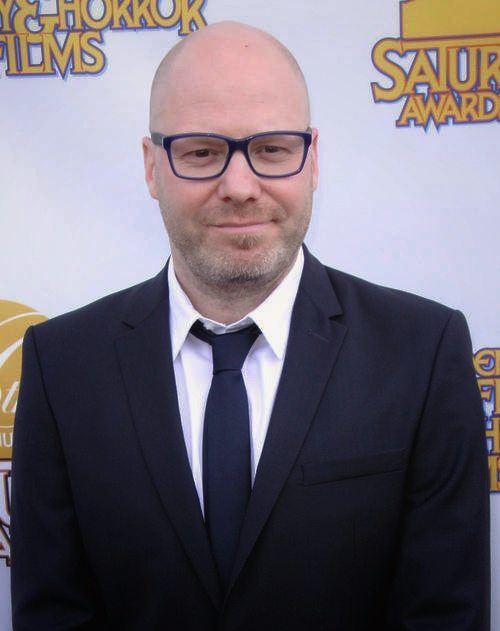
[202, 156]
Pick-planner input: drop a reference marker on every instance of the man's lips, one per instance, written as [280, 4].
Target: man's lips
[239, 227]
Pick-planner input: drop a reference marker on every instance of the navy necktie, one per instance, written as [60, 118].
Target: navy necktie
[226, 443]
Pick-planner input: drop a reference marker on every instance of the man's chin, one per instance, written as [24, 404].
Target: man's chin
[248, 267]
[235, 243]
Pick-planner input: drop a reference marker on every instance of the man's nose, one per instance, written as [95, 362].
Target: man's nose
[238, 182]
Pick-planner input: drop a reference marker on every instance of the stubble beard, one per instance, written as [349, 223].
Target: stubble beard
[242, 264]
[232, 270]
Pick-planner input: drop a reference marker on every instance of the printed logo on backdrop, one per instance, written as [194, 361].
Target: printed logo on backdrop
[61, 37]
[487, 365]
[445, 66]
[14, 320]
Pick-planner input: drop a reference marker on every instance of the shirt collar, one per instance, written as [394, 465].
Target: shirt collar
[272, 316]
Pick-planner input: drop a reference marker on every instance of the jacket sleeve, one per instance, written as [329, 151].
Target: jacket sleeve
[51, 581]
[442, 579]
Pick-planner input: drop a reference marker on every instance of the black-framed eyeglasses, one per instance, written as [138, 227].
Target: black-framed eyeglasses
[204, 156]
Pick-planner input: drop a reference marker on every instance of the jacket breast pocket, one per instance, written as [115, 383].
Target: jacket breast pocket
[360, 466]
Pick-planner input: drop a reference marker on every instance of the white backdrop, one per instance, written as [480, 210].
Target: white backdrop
[408, 207]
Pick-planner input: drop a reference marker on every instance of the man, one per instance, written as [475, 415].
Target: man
[369, 503]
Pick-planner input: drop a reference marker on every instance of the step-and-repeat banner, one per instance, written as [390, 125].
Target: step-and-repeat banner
[406, 95]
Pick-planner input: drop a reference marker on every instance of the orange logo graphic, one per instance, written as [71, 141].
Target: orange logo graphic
[449, 18]
[487, 365]
[37, 40]
[14, 320]
[445, 67]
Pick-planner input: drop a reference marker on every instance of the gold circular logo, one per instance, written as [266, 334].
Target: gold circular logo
[15, 318]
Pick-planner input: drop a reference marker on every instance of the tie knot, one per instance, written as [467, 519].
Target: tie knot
[229, 350]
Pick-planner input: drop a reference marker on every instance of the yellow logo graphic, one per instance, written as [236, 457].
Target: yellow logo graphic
[445, 67]
[487, 365]
[5, 511]
[35, 40]
[449, 18]
[14, 320]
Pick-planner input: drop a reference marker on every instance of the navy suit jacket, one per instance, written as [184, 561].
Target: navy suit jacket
[370, 504]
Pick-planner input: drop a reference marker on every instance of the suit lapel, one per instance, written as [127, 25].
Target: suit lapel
[314, 342]
[144, 354]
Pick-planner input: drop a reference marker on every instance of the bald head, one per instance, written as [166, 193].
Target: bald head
[232, 54]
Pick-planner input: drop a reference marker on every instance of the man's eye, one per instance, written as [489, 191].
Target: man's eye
[271, 152]
[201, 153]
[204, 153]
[272, 149]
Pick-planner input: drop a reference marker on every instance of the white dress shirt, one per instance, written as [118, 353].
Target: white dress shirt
[261, 371]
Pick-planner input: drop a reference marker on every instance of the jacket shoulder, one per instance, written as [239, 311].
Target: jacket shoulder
[110, 313]
[374, 299]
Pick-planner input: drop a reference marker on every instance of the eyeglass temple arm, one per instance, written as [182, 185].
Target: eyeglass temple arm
[156, 138]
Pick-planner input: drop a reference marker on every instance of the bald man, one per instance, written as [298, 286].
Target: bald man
[364, 505]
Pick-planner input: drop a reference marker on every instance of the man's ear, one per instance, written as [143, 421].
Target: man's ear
[148, 150]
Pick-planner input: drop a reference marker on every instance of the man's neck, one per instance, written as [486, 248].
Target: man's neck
[229, 303]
